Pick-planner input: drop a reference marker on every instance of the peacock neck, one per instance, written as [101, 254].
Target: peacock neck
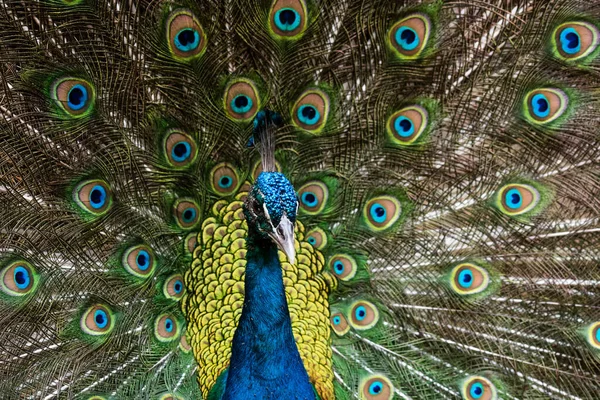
[265, 362]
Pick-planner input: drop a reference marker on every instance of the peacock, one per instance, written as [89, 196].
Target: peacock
[299, 199]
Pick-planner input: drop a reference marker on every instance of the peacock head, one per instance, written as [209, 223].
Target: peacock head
[270, 210]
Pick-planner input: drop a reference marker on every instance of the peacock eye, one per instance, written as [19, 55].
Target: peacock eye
[166, 328]
[186, 37]
[187, 213]
[382, 212]
[313, 197]
[93, 196]
[339, 324]
[97, 320]
[75, 96]
[287, 19]
[317, 238]
[343, 266]
[18, 278]
[469, 278]
[184, 345]
[517, 199]
[311, 110]
[363, 315]
[174, 288]
[377, 387]
[180, 149]
[478, 388]
[241, 100]
[545, 105]
[409, 36]
[593, 335]
[139, 261]
[404, 127]
[575, 40]
[224, 179]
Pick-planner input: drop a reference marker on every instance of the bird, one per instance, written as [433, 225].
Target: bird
[299, 199]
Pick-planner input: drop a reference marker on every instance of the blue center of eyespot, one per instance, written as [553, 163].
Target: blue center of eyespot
[143, 260]
[97, 197]
[570, 42]
[21, 277]
[189, 215]
[178, 286]
[77, 97]
[476, 390]
[308, 115]
[101, 319]
[597, 335]
[181, 151]
[375, 388]
[513, 199]
[378, 213]
[541, 105]
[187, 39]
[360, 313]
[169, 325]
[337, 320]
[225, 182]
[241, 104]
[465, 278]
[404, 127]
[407, 38]
[287, 19]
[312, 240]
[309, 199]
[338, 267]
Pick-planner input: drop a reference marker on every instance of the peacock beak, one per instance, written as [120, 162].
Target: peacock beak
[284, 237]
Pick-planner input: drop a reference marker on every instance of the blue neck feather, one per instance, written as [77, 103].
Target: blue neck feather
[265, 363]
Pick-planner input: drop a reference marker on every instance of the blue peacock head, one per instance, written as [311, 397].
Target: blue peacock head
[272, 204]
[271, 208]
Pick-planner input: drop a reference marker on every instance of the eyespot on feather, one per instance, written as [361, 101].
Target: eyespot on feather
[241, 100]
[166, 328]
[139, 261]
[98, 320]
[190, 242]
[184, 345]
[408, 37]
[288, 19]
[593, 335]
[575, 40]
[339, 323]
[517, 199]
[18, 278]
[382, 212]
[93, 196]
[543, 106]
[75, 96]
[313, 197]
[376, 387]
[478, 388]
[405, 126]
[468, 278]
[343, 266]
[170, 396]
[187, 213]
[185, 36]
[311, 110]
[317, 238]
[363, 315]
[180, 149]
[224, 179]
[174, 288]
